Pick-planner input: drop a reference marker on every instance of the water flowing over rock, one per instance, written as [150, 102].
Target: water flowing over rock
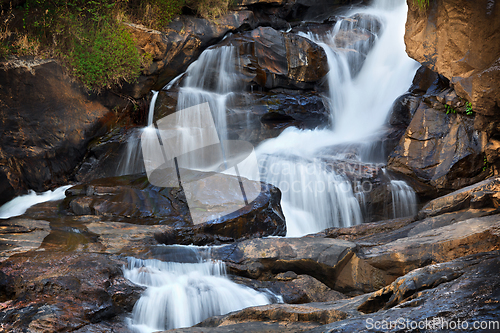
[187, 292]
[51, 292]
[174, 49]
[106, 258]
[444, 291]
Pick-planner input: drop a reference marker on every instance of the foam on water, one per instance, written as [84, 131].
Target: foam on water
[184, 294]
[20, 204]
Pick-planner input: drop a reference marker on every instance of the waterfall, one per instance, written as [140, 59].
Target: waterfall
[151, 112]
[213, 79]
[404, 199]
[131, 161]
[359, 98]
[184, 294]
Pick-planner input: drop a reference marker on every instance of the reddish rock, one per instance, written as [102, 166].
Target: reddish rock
[61, 292]
[460, 40]
[46, 122]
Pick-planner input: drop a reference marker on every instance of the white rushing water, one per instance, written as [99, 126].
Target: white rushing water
[361, 92]
[404, 199]
[359, 107]
[314, 197]
[184, 294]
[20, 204]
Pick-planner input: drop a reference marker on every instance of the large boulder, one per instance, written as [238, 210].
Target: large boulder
[134, 199]
[321, 258]
[441, 297]
[271, 59]
[481, 195]
[293, 288]
[440, 148]
[459, 39]
[431, 246]
[465, 289]
[46, 122]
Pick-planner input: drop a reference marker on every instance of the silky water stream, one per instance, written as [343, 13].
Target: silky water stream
[191, 287]
[314, 197]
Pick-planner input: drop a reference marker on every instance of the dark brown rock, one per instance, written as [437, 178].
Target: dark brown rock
[47, 120]
[21, 235]
[133, 199]
[272, 59]
[465, 289]
[485, 194]
[403, 109]
[294, 289]
[50, 292]
[174, 49]
[436, 245]
[439, 149]
[321, 258]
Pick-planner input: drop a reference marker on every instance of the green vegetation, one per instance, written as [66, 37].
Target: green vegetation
[468, 109]
[486, 164]
[102, 57]
[422, 4]
[449, 109]
[89, 35]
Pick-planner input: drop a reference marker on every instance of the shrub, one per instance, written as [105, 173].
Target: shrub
[103, 55]
[88, 34]
[422, 4]
[97, 48]
[209, 9]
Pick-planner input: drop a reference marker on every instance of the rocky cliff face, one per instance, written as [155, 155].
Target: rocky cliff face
[46, 122]
[459, 40]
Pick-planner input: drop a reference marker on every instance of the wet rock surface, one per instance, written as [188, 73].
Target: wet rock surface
[174, 49]
[133, 199]
[445, 291]
[273, 59]
[441, 39]
[293, 288]
[321, 258]
[480, 195]
[435, 245]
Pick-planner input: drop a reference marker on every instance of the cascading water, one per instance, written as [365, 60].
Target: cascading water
[359, 106]
[213, 79]
[404, 200]
[184, 294]
[314, 196]
[131, 162]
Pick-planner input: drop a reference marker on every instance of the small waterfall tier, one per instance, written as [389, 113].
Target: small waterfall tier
[182, 294]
